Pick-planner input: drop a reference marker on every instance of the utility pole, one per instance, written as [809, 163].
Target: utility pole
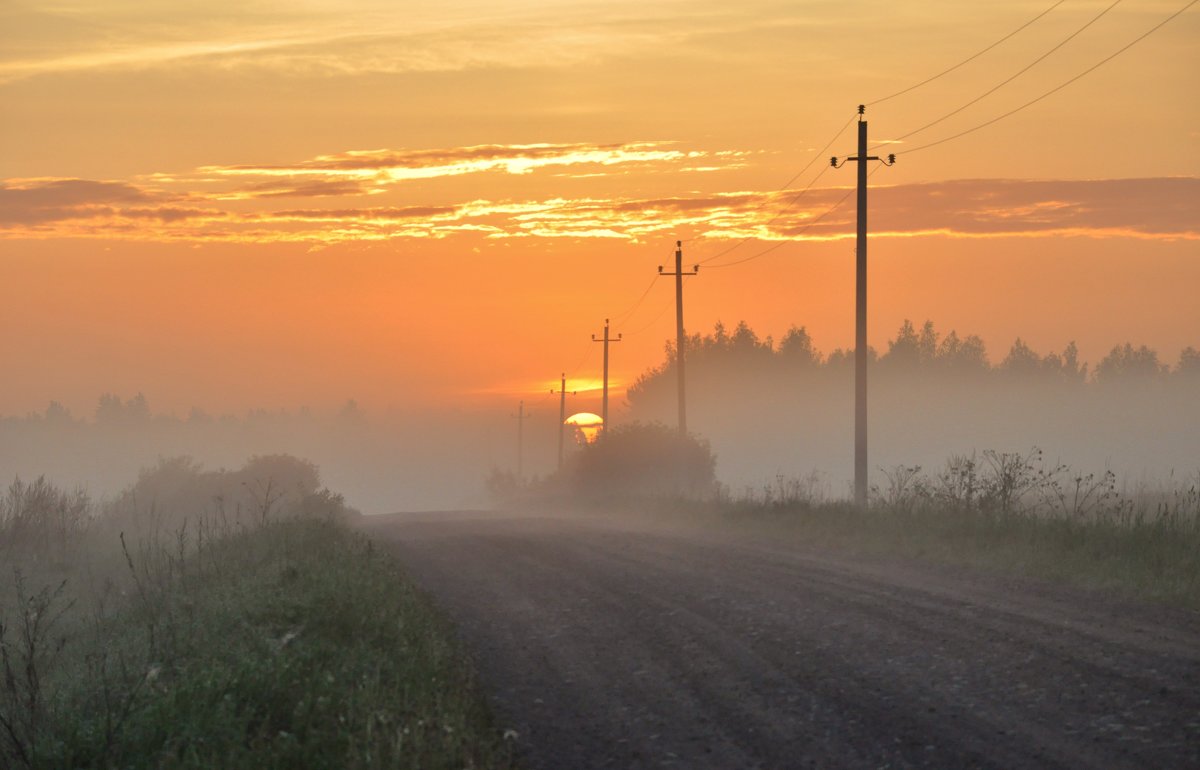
[520, 417]
[562, 415]
[860, 323]
[680, 339]
[604, 400]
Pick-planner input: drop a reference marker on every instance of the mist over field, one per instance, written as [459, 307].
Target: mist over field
[785, 408]
[382, 463]
[770, 409]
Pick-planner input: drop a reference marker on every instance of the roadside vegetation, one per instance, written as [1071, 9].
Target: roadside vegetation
[1002, 511]
[998, 511]
[221, 619]
[764, 403]
[629, 463]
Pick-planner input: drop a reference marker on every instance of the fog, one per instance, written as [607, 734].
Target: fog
[787, 409]
[769, 409]
[380, 462]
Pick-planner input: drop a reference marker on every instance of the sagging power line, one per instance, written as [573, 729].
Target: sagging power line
[795, 198]
[965, 61]
[860, 475]
[1009, 79]
[1057, 88]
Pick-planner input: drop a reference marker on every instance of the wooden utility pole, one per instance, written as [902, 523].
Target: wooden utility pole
[680, 337]
[604, 400]
[520, 417]
[860, 315]
[562, 415]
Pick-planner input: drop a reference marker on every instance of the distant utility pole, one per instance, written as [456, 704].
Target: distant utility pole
[562, 415]
[680, 339]
[860, 327]
[604, 401]
[520, 417]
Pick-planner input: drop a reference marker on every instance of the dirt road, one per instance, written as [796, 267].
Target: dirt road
[613, 645]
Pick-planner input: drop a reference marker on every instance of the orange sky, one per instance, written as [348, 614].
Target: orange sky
[234, 205]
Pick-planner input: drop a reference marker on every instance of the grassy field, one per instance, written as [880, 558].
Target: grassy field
[1005, 513]
[1157, 559]
[291, 643]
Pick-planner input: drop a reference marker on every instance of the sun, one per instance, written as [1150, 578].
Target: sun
[587, 426]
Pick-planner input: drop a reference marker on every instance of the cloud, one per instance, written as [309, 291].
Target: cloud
[382, 167]
[66, 192]
[170, 213]
[32, 201]
[316, 188]
[85, 207]
[370, 214]
[235, 203]
[1155, 206]
[318, 38]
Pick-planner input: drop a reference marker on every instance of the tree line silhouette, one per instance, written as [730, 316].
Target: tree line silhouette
[915, 352]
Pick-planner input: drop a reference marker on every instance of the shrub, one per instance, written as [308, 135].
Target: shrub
[267, 488]
[42, 518]
[640, 460]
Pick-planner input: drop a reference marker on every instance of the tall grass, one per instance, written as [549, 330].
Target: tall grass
[281, 639]
[42, 520]
[1007, 511]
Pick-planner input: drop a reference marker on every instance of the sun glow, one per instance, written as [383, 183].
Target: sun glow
[587, 426]
[584, 419]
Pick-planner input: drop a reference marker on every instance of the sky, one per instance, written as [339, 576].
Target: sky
[435, 205]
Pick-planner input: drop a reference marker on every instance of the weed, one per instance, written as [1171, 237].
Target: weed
[1001, 510]
[28, 648]
[281, 639]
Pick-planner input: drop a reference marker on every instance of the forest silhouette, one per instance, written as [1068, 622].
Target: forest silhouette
[784, 407]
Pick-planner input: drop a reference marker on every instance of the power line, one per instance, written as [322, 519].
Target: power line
[586, 354]
[1011, 112]
[629, 313]
[1057, 88]
[802, 230]
[820, 153]
[782, 243]
[666, 306]
[1008, 80]
[773, 219]
[641, 299]
[967, 60]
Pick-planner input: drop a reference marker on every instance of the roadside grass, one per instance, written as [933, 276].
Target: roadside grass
[1007, 513]
[1156, 558]
[291, 643]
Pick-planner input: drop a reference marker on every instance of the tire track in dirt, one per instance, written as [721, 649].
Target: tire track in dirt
[608, 644]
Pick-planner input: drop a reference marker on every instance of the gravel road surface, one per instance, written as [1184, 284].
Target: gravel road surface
[609, 644]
